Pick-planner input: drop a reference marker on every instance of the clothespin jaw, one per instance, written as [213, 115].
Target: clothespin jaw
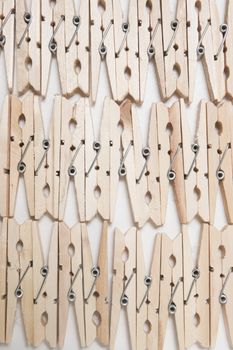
[171, 288]
[220, 280]
[124, 284]
[7, 38]
[28, 46]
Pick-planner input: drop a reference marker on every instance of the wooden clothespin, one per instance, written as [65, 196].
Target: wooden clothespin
[102, 45]
[79, 151]
[175, 49]
[196, 290]
[3, 279]
[53, 42]
[70, 280]
[7, 38]
[150, 43]
[77, 46]
[219, 143]
[210, 48]
[148, 297]
[124, 284]
[18, 270]
[228, 50]
[17, 128]
[183, 152]
[108, 160]
[28, 46]
[126, 51]
[221, 281]
[45, 289]
[84, 285]
[144, 166]
[171, 289]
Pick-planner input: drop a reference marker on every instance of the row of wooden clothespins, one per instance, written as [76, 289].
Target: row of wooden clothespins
[81, 35]
[196, 166]
[191, 292]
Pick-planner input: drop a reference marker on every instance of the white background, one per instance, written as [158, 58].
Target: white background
[123, 216]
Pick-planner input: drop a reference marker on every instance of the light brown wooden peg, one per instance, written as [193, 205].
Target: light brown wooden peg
[171, 289]
[53, 42]
[28, 46]
[175, 47]
[219, 135]
[77, 46]
[150, 43]
[148, 297]
[70, 281]
[3, 279]
[45, 289]
[7, 22]
[108, 160]
[229, 51]
[90, 275]
[210, 39]
[196, 290]
[126, 49]
[18, 158]
[221, 281]
[201, 166]
[102, 296]
[181, 173]
[124, 284]
[19, 277]
[102, 45]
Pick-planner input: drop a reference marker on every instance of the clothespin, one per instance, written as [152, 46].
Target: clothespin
[148, 297]
[183, 152]
[210, 49]
[18, 158]
[126, 51]
[124, 284]
[102, 44]
[79, 151]
[143, 166]
[228, 50]
[87, 293]
[45, 290]
[53, 42]
[150, 43]
[219, 142]
[108, 160]
[28, 46]
[3, 279]
[77, 46]
[175, 49]
[7, 38]
[171, 288]
[19, 273]
[196, 290]
[70, 280]
[192, 38]
[221, 281]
